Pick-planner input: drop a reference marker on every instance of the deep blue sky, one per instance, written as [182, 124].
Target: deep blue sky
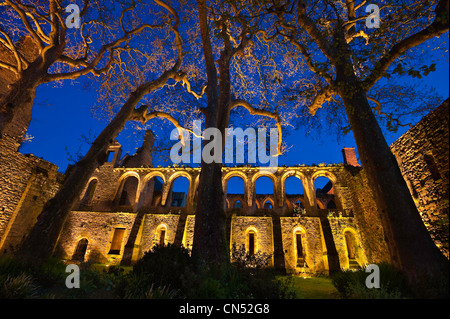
[62, 114]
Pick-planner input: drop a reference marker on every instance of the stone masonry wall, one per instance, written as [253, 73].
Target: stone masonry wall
[26, 183]
[422, 153]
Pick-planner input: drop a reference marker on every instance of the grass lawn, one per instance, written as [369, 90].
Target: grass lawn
[313, 288]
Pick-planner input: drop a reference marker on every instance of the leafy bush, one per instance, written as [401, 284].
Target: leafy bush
[17, 287]
[164, 265]
[170, 272]
[352, 284]
[242, 259]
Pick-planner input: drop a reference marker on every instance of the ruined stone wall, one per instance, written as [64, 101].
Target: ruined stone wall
[273, 228]
[366, 217]
[314, 247]
[422, 153]
[262, 227]
[98, 228]
[26, 184]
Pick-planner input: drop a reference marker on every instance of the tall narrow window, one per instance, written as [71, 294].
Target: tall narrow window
[251, 243]
[162, 237]
[298, 239]
[129, 190]
[110, 156]
[349, 243]
[116, 243]
[429, 159]
[80, 251]
[89, 192]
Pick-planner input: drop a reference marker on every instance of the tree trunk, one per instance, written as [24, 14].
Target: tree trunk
[16, 106]
[410, 245]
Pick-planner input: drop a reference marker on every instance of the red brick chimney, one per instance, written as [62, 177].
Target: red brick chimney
[350, 156]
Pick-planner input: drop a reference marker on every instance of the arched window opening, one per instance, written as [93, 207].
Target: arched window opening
[80, 250]
[263, 189]
[129, 191]
[180, 191]
[299, 250]
[237, 204]
[324, 191]
[162, 237]
[293, 187]
[251, 242]
[152, 191]
[349, 244]
[90, 190]
[299, 204]
[235, 188]
[235, 185]
[268, 205]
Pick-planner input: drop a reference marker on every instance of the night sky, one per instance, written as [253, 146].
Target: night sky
[62, 113]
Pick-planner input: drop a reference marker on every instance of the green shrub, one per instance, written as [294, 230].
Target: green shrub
[352, 284]
[17, 287]
[242, 259]
[164, 265]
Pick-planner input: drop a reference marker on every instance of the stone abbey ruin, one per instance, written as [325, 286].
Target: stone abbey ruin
[128, 206]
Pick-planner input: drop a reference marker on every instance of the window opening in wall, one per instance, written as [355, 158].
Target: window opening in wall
[349, 243]
[129, 190]
[180, 191]
[300, 256]
[238, 204]
[116, 244]
[268, 205]
[251, 243]
[110, 156]
[90, 191]
[429, 159]
[80, 251]
[162, 237]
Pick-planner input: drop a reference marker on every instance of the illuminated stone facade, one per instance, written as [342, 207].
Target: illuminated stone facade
[299, 238]
[128, 206]
[422, 154]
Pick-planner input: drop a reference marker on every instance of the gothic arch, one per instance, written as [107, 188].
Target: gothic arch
[291, 203]
[255, 177]
[332, 177]
[268, 198]
[121, 183]
[248, 232]
[353, 248]
[84, 195]
[326, 174]
[145, 198]
[160, 236]
[150, 175]
[231, 174]
[291, 173]
[169, 185]
[236, 198]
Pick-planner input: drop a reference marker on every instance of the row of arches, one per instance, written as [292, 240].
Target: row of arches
[297, 204]
[179, 190]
